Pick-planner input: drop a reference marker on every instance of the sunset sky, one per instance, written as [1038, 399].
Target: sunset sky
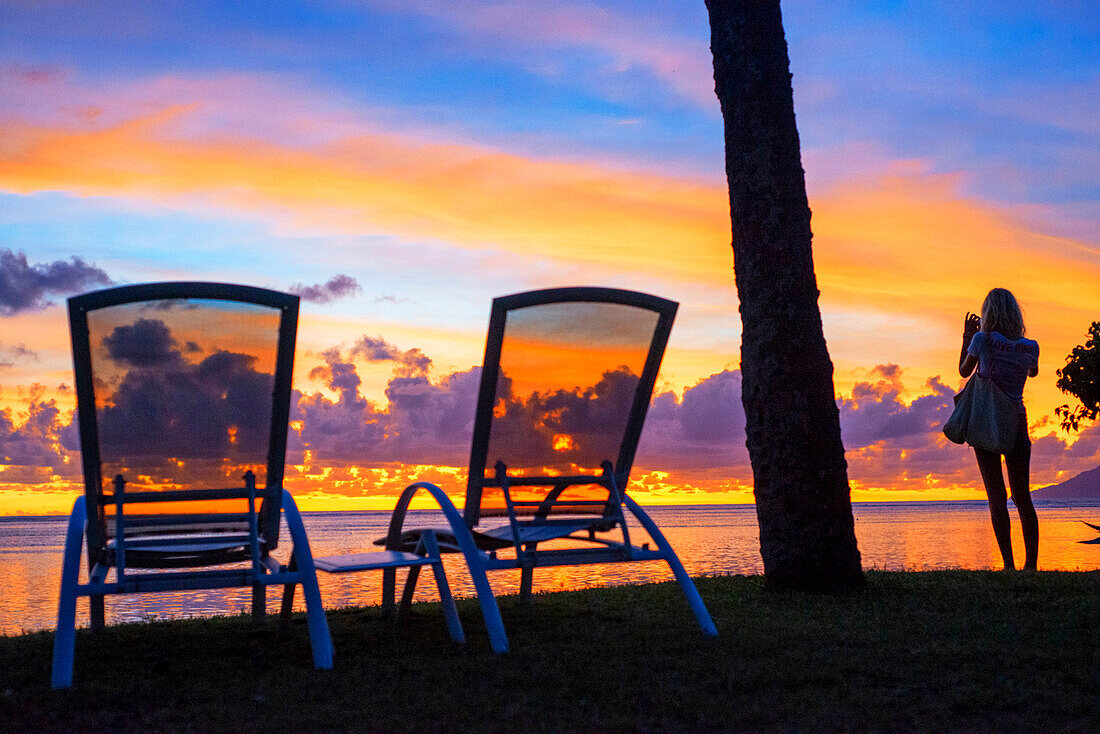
[398, 163]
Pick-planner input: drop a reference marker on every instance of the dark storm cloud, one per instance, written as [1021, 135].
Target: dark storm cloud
[337, 287]
[26, 287]
[217, 409]
[145, 343]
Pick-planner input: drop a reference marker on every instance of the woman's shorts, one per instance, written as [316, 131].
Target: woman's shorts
[1022, 448]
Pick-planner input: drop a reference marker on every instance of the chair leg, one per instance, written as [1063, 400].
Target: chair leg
[526, 581]
[474, 562]
[389, 587]
[407, 594]
[687, 586]
[97, 615]
[64, 639]
[259, 602]
[490, 611]
[450, 611]
[287, 606]
[320, 639]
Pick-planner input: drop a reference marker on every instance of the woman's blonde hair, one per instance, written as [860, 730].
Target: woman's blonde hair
[1001, 313]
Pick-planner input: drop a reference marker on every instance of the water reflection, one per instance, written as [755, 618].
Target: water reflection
[710, 540]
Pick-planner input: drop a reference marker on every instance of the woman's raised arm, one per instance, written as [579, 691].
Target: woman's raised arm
[971, 325]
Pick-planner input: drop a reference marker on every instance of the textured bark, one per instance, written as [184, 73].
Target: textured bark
[803, 502]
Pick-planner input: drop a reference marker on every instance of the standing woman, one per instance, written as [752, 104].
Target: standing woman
[995, 344]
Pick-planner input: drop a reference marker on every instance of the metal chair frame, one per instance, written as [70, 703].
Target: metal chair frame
[530, 522]
[182, 549]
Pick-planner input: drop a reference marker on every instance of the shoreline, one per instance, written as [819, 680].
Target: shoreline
[1082, 502]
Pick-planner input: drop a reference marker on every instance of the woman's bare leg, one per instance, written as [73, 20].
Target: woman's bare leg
[1018, 465]
[990, 466]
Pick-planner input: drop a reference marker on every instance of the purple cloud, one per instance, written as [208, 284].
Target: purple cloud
[874, 412]
[711, 410]
[424, 422]
[9, 355]
[410, 363]
[375, 349]
[698, 438]
[42, 446]
[337, 287]
[702, 434]
[888, 443]
[25, 287]
[145, 343]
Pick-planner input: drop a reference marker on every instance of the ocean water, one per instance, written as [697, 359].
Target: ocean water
[710, 539]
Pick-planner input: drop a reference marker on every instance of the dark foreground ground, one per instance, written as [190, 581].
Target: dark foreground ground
[941, 651]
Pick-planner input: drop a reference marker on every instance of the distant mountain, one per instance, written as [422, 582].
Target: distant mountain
[1085, 485]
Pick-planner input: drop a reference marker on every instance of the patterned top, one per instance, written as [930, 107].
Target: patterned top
[1007, 362]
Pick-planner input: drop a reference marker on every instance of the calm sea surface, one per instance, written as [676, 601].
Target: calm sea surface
[715, 539]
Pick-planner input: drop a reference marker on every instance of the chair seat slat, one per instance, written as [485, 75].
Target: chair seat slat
[183, 495]
[540, 532]
[207, 518]
[376, 560]
[207, 523]
[170, 544]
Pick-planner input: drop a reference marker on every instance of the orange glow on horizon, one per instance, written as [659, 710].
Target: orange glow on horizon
[899, 259]
[34, 502]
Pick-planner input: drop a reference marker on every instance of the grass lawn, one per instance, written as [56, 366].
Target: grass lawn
[932, 651]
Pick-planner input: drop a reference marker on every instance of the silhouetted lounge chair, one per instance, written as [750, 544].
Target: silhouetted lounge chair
[183, 394]
[565, 386]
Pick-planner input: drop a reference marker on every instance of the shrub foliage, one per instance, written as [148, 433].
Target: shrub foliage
[1081, 378]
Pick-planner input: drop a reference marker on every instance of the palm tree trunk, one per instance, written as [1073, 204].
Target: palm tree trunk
[803, 502]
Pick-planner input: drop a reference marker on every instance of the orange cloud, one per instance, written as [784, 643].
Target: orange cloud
[908, 241]
[380, 183]
[904, 251]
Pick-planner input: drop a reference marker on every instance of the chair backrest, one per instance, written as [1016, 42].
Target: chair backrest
[183, 388]
[565, 386]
